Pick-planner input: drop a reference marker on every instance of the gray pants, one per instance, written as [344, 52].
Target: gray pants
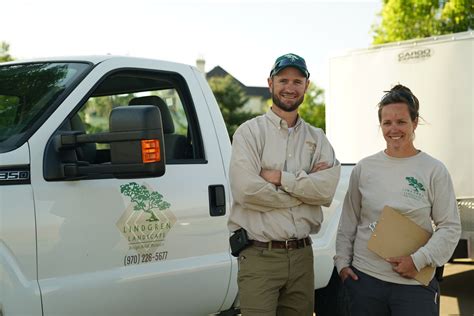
[371, 296]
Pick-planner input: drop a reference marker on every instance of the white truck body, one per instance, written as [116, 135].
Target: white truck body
[440, 72]
[79, 245]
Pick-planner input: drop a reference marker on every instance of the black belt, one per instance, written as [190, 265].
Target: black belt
[285, 244]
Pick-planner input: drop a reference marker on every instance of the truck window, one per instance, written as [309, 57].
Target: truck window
[29, 93]
[9, 107]
[129, 88]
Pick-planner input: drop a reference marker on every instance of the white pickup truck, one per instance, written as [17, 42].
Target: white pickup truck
[114, 191]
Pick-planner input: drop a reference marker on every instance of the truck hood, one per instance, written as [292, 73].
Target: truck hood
[93, 59]
[90, 59]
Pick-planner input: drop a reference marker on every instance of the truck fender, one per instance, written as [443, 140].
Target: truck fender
[18, 295]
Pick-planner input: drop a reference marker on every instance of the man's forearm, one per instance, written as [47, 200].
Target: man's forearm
[272, 176]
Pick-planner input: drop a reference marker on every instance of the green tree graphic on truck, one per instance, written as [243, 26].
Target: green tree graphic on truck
[144, 200]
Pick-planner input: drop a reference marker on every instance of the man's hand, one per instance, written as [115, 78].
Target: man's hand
[320, 166]
[404, 266]
[348, 273]
[272, 176]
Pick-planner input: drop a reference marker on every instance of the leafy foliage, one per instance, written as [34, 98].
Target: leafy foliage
[231, 99]
[313, 109]
[144, 200]
[4, 52]
[457, 16]
[96, 111]
[410, 19]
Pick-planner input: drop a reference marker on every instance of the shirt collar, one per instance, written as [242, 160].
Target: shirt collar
[279, 122]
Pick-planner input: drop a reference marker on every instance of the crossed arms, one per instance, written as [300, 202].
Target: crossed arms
[264, 190]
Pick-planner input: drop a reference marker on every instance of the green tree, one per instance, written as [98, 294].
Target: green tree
[409, 19]
[231, 99]
[96, 111]
[313, 109]
[144, 200]
[406, 19]
[4, 52]
[457, 16]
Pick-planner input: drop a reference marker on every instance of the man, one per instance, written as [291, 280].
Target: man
[282, 171]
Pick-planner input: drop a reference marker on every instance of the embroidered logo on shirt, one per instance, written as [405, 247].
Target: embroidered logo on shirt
[414, 183]
[416, 190]
[311, 145]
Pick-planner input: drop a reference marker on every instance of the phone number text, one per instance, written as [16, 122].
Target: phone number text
[145, 258]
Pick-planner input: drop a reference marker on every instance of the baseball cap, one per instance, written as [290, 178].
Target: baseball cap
[289, 60]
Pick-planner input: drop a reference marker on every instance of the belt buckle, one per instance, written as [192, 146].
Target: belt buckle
[288, 246]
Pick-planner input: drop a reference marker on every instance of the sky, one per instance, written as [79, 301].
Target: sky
[242, 36]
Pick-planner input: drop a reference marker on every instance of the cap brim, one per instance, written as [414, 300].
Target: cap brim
[302, 70]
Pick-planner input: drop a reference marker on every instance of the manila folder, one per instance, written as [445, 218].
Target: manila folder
[395, 235]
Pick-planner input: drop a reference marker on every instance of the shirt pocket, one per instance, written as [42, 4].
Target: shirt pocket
[308, 158]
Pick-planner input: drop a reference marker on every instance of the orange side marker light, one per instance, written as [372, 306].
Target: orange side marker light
[151, 150]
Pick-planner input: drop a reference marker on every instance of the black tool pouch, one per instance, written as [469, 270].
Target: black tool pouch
[238, 241]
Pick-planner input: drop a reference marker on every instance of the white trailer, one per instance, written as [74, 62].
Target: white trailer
[439, 71]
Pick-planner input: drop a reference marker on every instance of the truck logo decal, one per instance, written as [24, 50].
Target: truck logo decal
[147, 219]
[144, 200]
[415, 55]
[415, 192]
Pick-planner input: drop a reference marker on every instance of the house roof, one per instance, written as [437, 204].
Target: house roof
[262, 92]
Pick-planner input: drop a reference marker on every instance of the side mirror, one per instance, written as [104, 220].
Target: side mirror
[136, 147]
[141, 152]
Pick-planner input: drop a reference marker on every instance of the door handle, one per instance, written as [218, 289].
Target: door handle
[216, 200]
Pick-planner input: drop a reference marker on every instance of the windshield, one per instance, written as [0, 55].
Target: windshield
[28, 95]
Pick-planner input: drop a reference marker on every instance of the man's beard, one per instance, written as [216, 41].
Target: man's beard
[287, 108]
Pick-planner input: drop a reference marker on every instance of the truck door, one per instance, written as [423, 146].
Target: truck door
[143, 246]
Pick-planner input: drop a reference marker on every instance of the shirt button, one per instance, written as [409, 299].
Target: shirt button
[286, 188]
[289, 155]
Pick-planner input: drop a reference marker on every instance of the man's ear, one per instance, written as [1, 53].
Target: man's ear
[270, 83]
[307, 85]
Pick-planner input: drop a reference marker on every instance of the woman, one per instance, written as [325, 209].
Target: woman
[417, 185]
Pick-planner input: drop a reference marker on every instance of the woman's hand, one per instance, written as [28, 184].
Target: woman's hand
[404, 266]
[347, 273]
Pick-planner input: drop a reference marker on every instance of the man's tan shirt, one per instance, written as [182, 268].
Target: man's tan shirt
[292, 210]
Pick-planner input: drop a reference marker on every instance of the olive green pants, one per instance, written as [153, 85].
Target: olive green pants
[276, 282]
